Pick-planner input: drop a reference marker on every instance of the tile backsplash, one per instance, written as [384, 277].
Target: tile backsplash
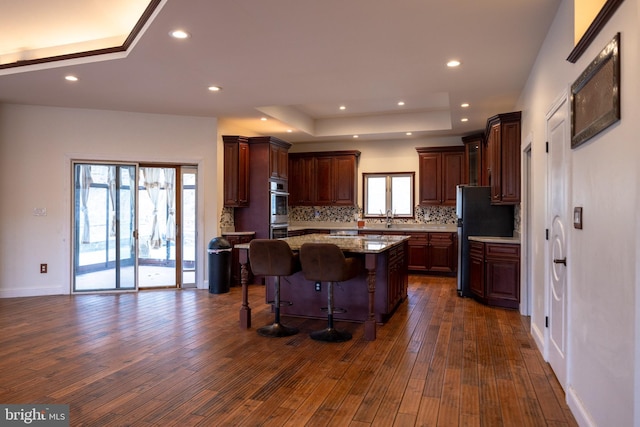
[423, 215]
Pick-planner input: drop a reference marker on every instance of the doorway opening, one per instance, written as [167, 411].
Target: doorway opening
[134, 226]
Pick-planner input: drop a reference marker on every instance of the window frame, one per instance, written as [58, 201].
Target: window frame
[388, 190]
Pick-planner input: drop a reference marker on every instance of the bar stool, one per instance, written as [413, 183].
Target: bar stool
[273, 258]
[325, 262]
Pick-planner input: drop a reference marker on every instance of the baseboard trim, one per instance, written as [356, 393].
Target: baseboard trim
[32, 292]
[577, 408]
[538, 337]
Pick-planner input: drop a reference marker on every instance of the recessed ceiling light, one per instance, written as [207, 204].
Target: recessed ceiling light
[408, 134]
[464, 104]
[464, 119]
[400, 103]
[71, 78]
[215, 88]
[289, 130]
[356, 136]
[264, 119]
[342, 107]
[179, 34]
[453, 63]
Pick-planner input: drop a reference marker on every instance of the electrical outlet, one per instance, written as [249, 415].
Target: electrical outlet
[43, 268]
[318, 286]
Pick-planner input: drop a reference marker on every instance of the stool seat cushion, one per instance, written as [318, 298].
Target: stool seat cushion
[269, 257]
[325, 262]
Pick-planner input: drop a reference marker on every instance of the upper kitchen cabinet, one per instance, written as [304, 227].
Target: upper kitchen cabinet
[323, 178]
[441, 170]
[301, 187]
[236, 171]
[278, 155]
[503, 158]
[475, 159]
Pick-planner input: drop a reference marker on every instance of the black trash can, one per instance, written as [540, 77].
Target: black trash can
[219, 253]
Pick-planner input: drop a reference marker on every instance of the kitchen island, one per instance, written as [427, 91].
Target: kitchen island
[371, 297]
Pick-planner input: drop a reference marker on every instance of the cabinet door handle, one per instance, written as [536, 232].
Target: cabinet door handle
[562, 261]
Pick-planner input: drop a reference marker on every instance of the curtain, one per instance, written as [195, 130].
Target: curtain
[85, 186]
[111, 182]
[170, 191]
[152, 184]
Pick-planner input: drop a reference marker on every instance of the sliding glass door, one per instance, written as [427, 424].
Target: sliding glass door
[104, 231]
[157, 227]
[111, 253]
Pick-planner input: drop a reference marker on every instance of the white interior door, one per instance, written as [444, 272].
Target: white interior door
[558, 126]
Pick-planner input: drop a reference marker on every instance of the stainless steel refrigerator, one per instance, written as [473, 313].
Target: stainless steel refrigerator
[478, 217]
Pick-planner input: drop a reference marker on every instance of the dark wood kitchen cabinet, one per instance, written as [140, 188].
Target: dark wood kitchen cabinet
[503, 158]
[301, 187]
[236, 171]
[323, 178]
[397, 277]
[494, 274]
[277, 157]
[441, 170]
[475, 159]
[432, 252]
[264, 168]
[279, 161]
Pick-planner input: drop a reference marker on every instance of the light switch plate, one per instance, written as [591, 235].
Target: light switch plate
[577, 217]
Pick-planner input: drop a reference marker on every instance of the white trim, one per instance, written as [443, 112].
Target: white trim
[578, 410]
[32, 292]
[525, 231]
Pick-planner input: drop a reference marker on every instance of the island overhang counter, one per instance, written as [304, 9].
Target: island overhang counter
[371, 297]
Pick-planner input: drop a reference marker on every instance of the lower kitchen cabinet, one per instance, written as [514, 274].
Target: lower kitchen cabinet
[397, 276]
[494, 274]
[236, 238]
[433, 252]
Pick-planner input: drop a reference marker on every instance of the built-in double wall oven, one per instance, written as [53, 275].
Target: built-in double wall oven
[278, 209]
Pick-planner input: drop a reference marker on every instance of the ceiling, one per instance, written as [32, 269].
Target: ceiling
[296, 62]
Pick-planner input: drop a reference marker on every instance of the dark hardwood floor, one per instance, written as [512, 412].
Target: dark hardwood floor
[163, 358]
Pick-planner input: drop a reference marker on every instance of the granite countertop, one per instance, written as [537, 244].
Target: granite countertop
[515, 240]
[346, 226]
[349, 243]
[237, 233]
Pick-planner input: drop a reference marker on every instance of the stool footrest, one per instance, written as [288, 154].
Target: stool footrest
[336, 310]
[276, 330]
[272, 302]
[330, 335]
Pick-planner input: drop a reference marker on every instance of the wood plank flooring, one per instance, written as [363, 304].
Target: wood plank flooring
[165, 358]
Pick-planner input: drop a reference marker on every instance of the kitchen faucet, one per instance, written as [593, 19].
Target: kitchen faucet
[389, 218]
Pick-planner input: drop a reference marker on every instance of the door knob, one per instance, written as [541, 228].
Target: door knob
[562, 261]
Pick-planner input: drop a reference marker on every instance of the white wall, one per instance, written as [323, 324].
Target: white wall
[602, 257]
[37, 145]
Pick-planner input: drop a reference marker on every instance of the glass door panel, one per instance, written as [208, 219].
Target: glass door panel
[157, 227]
[104, 218]
[188, 236]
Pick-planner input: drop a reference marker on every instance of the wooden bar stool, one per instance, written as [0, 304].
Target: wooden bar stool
[325, 262]
[273, 258]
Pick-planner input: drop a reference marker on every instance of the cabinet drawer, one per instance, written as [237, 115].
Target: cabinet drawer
[441, 237]
[477, 249]
[502, 250]
[418, 238]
